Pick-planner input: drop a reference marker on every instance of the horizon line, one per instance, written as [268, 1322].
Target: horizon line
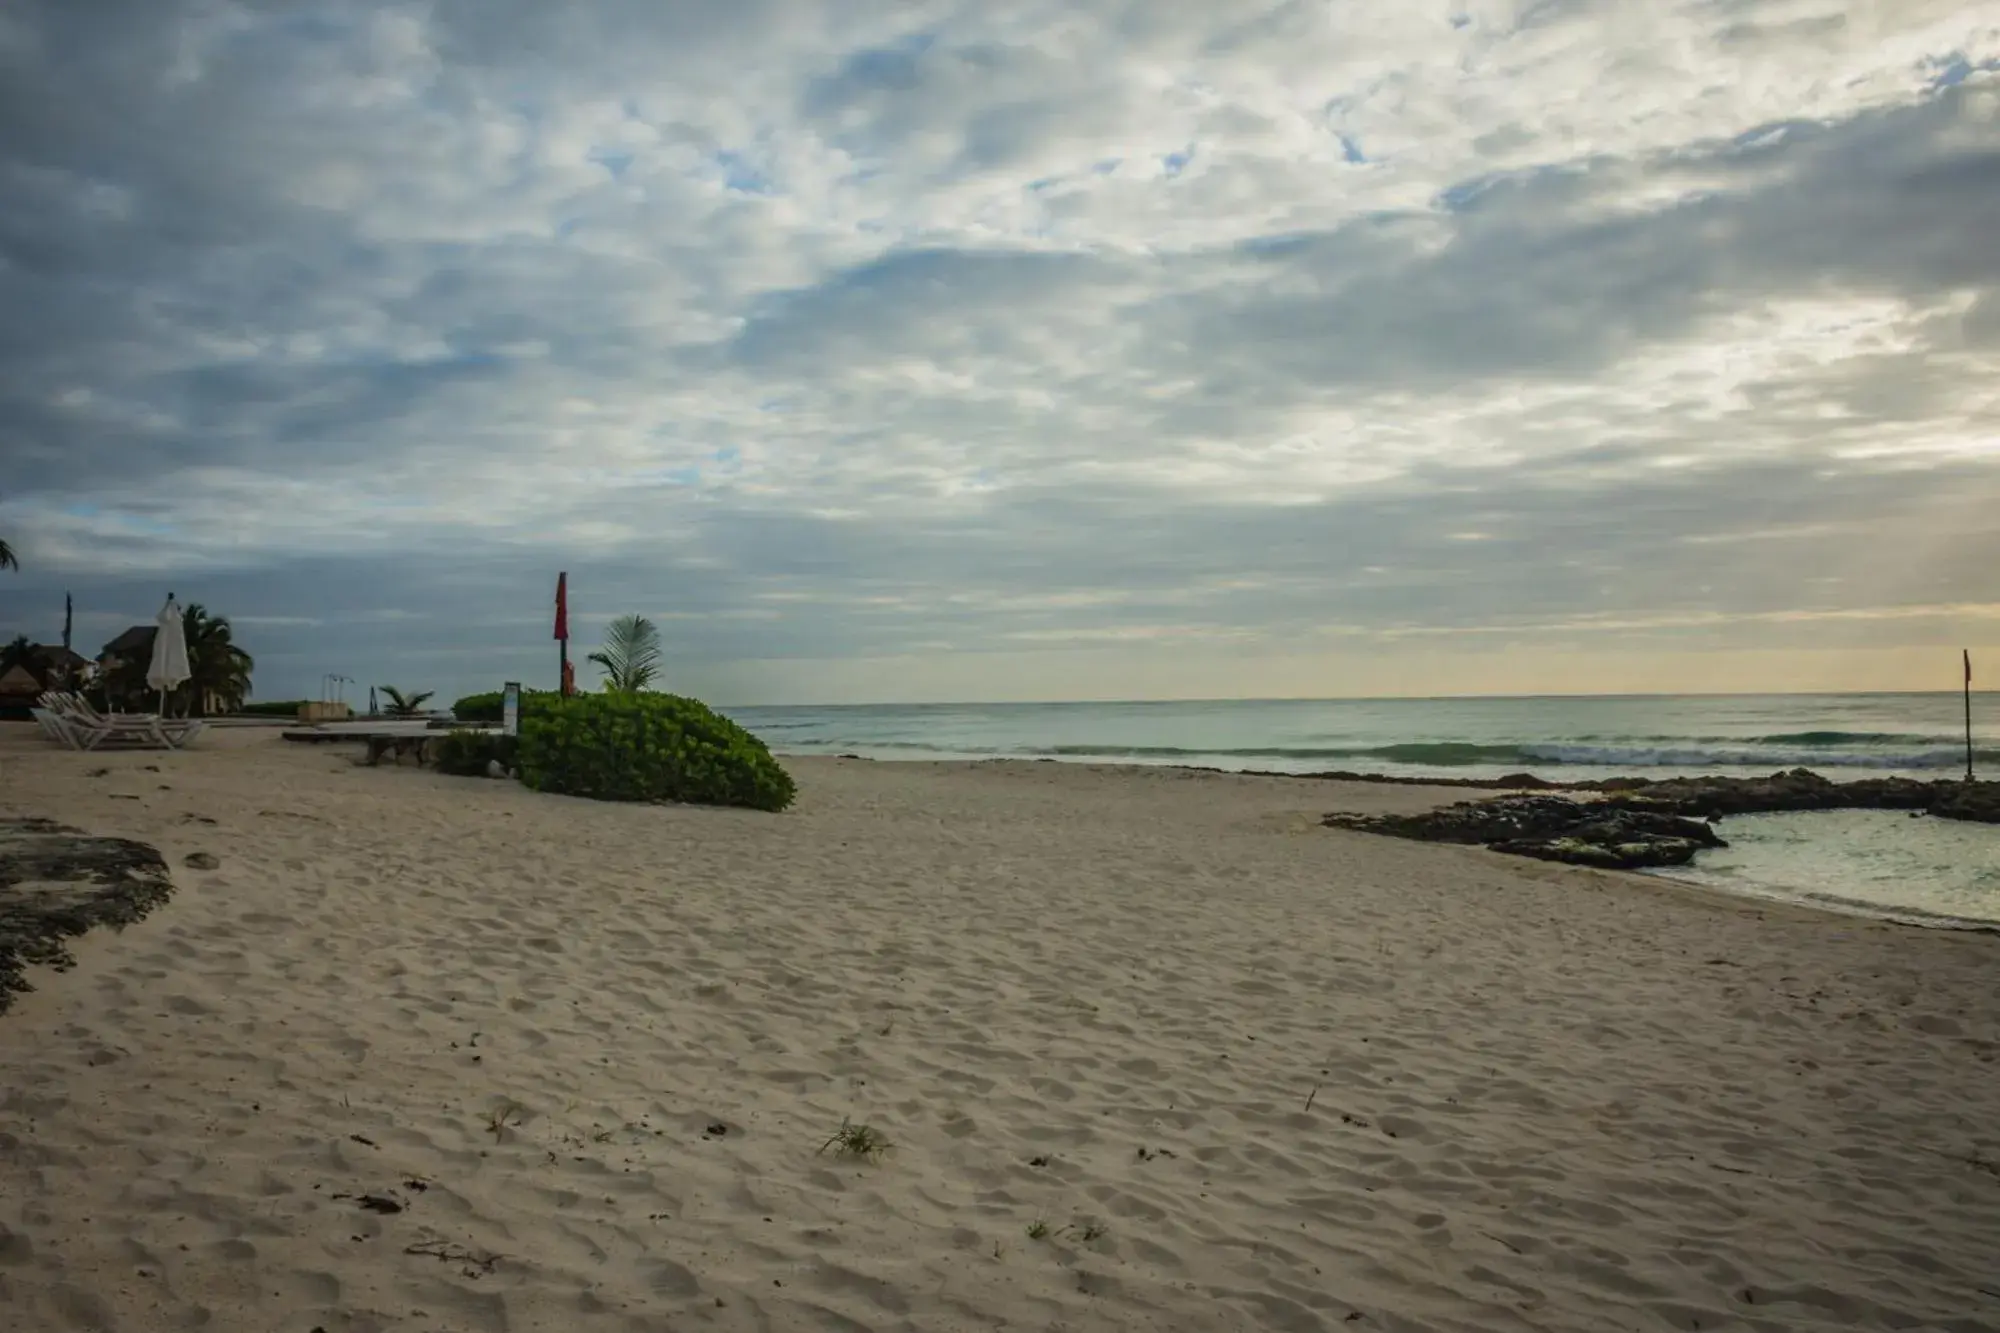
[1368, 698]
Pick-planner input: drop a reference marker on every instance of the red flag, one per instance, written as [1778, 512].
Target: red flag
[562, 607]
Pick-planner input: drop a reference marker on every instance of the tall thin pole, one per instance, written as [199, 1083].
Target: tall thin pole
[1968, 714]
[562, 634]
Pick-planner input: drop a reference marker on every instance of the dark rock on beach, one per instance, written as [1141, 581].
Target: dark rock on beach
[1976, 801]
[1506, 782]
[1796, 789]
[1803, 789]
[1633, 823]
[1552, 828]
[56, 883]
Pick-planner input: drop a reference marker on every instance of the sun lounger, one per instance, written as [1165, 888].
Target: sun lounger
[84, 728]
[54, 728]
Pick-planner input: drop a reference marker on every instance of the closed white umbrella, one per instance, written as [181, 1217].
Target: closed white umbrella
[169, 669]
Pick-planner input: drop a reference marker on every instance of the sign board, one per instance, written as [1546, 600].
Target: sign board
[510, 708]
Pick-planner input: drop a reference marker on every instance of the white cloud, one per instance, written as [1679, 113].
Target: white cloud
[1041, 320]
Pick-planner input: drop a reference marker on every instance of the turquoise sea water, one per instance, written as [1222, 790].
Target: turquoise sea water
[1914, 866]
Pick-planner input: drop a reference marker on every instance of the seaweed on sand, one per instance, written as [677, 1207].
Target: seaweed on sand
[58, 882]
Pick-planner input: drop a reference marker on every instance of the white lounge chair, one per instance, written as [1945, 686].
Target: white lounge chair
[54, 728]
[87, 729]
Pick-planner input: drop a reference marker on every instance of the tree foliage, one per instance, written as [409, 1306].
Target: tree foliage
[466, 753]
[404, 705]
[218, 671]
[491, 705]
[630, 656]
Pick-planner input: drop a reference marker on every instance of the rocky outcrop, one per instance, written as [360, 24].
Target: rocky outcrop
[1552, 828]
[1634, 823]
[56, 883]
[1976, 801]
[1506, 782]
[1802, 789]
[1797, 789]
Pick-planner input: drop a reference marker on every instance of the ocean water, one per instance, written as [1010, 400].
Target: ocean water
[1919, 734]
[1919, 869]
[1878, 862]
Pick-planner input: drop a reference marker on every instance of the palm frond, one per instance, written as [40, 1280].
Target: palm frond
[405, 705]
[630, 656]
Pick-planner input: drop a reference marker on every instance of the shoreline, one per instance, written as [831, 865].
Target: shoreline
[1711, 798]
[1150, 1047]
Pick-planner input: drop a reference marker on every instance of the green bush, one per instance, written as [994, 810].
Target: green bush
[466, 753]
[488, 707]
[273, 708]
[648, 747]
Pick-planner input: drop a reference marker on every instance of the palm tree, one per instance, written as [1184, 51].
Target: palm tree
[404, 705]
[630, 656]
[218, 671]
[18, 653]
[7, 560]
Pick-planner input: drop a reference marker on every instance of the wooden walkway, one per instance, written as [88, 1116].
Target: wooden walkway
[385, 740]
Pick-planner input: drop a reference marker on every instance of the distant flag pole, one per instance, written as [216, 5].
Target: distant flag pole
[562, 627]
[1968, 714]
[69, 615]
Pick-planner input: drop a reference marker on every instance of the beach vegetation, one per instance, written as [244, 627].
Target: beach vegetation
[7, 558]
[852, 1140]
[19, 653]
[1038, 1229]
[490, 705]
[466, 753]
[272, 708]
[404, 705]
[630, 656]
[648, 747]
[503, 1117]
[218, 671]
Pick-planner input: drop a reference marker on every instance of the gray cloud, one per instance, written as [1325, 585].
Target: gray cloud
[957, 329]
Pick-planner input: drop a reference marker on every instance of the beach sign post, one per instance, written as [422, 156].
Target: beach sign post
[510, 708]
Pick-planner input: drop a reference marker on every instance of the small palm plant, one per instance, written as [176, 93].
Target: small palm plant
[630, 656]
[7, 560]
[405, 705]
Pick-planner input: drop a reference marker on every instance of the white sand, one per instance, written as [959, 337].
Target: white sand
[1547, 1099]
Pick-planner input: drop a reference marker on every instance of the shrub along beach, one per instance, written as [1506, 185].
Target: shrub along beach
[624, 747]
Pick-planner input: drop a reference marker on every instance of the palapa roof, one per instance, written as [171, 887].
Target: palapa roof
[19, 680]
[138, 639]
[61, 658]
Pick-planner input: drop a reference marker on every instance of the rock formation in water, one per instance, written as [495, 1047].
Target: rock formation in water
[1552, 828]
[1635, 823]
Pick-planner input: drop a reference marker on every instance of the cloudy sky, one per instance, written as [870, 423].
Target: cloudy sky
[942, 350]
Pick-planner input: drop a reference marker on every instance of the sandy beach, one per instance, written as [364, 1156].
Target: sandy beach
[1152, 1050]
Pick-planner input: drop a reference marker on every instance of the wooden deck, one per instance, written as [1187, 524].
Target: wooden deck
[385, 740]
